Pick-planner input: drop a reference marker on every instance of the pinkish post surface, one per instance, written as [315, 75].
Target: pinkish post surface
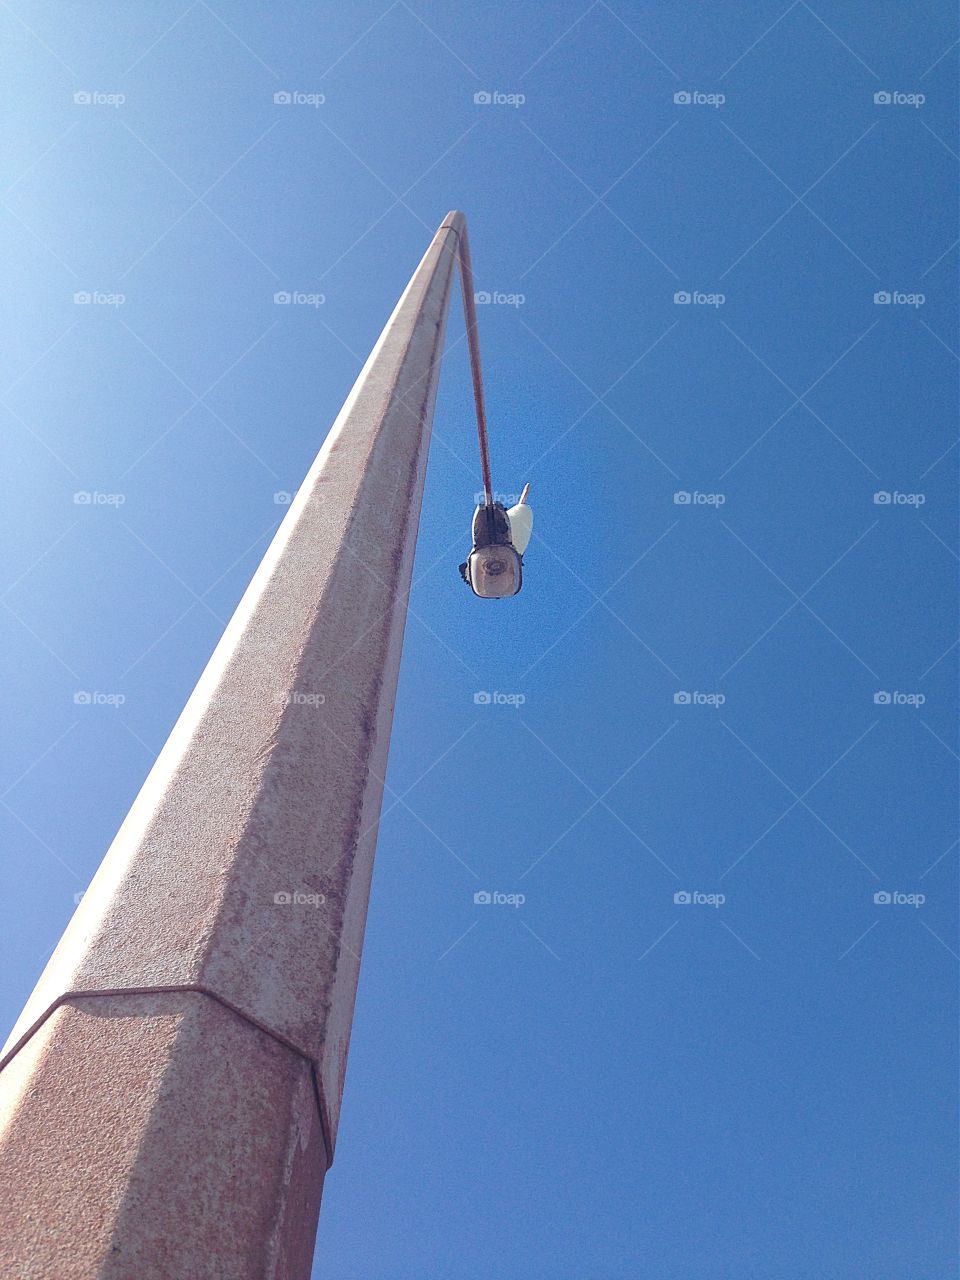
[169, 1097]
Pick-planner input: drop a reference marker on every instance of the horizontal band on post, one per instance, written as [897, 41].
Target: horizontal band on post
[193, 989]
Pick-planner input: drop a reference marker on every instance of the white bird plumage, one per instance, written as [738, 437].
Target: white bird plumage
[521, 521]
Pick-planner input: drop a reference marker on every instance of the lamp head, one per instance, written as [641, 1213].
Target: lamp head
[494, 572]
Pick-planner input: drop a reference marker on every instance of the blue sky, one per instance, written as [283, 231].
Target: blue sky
[602, 1081]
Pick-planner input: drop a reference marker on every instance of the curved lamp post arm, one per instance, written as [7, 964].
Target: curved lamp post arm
[473, 343]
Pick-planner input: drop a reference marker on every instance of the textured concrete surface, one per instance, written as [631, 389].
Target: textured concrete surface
[156, 1092]
[195, 1152]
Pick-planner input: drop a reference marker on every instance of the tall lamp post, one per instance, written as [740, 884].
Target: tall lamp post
[169, 1097]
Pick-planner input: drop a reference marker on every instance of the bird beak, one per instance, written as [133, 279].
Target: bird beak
[523, 496]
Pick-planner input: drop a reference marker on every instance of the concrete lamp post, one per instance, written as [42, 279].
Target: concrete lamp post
[169, 1097]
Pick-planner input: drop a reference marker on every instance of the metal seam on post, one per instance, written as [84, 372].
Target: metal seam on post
[182, 989]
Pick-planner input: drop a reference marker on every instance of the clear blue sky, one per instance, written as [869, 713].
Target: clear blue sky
[600, 1082]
